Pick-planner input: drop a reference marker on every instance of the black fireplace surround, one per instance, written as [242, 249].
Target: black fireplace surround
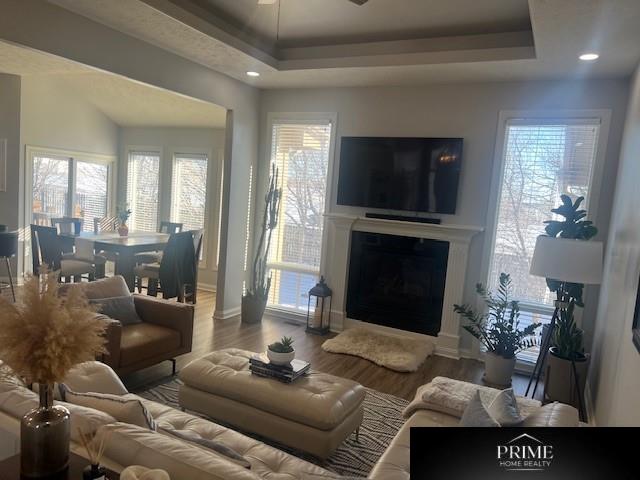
[397, 281]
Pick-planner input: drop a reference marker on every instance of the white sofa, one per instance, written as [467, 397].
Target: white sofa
[437, 404]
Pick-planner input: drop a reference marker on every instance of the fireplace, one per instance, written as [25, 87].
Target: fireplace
[397, 281]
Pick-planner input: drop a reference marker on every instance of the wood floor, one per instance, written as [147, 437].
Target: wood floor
[212, 334]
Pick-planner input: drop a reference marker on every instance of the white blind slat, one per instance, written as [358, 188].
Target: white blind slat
[143, 179]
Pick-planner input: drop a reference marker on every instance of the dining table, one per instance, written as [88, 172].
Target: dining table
[125, 247]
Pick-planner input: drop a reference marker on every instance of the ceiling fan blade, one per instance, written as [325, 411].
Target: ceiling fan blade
[359, 2]
[266, 2]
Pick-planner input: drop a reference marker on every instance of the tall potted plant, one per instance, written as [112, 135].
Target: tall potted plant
[498, 329]
[254, 300]
[567, 341]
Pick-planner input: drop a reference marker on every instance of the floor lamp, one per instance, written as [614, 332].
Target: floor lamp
[567, 261]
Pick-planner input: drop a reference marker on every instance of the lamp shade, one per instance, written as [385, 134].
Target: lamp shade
[567, 260]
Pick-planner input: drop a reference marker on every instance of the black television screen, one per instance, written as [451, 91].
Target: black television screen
[414, 174]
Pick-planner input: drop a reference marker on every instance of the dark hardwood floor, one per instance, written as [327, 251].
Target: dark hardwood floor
[212, 335]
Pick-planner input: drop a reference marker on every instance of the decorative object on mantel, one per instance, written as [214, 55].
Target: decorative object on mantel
[123, 215]
[255, 299]
[41, 338]
[281, 352]
[567, 260]
[402, 354]
[499, 331]
[319, 320]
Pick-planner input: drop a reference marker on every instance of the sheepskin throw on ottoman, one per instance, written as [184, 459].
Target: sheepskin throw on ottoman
[402, 354]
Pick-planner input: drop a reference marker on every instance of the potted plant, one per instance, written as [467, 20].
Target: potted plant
[498, 329]
[254, 300]
[566, 351]
[123, 215]
[567, 340]
[282, 352]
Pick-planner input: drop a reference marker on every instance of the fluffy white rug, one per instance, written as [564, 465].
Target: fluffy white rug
[401, 354]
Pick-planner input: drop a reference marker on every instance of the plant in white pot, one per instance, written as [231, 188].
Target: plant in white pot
[282, 352]
[567, 350]
[498, 329]
[254, 300]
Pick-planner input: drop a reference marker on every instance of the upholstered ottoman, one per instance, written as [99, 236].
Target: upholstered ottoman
[313, 414]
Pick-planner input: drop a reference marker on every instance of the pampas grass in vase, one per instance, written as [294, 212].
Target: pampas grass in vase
[41, 338]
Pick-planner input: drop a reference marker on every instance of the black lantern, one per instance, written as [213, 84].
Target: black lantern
[319, 320]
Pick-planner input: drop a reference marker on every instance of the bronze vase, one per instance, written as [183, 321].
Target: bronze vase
[44, 437]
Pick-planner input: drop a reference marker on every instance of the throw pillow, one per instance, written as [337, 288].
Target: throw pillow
[119, 308]
[124, 408]
[504, 409]
[94, 377]
[476, 415]
[218, 447]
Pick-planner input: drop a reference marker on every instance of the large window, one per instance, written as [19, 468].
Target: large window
[189, 190]
[143, 195]
[301, 153]
[66, 186]
[542, 159]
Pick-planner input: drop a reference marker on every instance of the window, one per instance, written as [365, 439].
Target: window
[301, 153]
[189, 190]
[541, 160]
[143, 180]
[65, 186]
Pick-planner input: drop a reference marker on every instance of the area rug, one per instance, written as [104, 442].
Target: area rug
[401, 354]
[382, 420]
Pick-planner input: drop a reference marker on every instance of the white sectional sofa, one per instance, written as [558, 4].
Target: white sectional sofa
[437, 404]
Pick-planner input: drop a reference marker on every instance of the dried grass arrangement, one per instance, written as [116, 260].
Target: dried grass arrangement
[44, 335]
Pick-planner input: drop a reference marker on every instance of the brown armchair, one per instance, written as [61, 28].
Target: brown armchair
[166, 330]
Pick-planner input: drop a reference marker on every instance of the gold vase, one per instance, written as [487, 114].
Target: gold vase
[44, 437]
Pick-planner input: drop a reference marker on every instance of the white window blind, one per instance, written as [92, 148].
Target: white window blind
[542, 160]
[189, 190]
[143, 179]
[301, 153]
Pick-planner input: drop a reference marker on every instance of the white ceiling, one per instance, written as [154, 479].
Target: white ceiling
[125, 102]
[397, 42]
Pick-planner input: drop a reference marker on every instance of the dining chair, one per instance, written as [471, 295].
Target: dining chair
[46, 250]
[155, 257]
[176, 273]
[104, 224]
[67, 225]
[170, 227]
[8, 250]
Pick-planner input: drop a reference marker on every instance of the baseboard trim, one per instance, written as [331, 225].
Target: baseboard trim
[227, 314]
[287, 315]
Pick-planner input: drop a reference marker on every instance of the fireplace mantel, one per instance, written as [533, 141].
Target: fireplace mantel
[448, 233]
[336, 267]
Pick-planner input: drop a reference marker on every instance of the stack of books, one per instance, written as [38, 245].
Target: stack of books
[261, 366]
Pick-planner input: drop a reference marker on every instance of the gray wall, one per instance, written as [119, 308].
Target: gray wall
[10, 130]
[53, 116]
[462, 110]
[181, 140]
[39, 25]
[614, 382]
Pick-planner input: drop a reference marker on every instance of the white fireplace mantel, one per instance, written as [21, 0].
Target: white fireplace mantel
[336, 268]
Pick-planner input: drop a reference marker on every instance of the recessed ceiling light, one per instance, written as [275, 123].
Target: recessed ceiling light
[253, 74]
[588, 57]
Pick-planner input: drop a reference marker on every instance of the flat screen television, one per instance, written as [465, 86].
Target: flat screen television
[412, 174]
